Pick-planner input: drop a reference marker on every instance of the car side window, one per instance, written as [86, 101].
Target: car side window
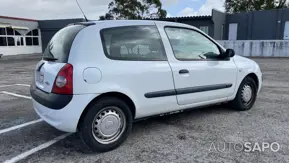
[189, 44]
[136, 43]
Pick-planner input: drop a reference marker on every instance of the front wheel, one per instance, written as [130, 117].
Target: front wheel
[246, 95]
[106, 125]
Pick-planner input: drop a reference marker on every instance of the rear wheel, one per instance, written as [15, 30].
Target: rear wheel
[106, 125]
[246, 95]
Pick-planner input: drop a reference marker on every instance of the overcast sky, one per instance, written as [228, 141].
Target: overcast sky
[57, 9]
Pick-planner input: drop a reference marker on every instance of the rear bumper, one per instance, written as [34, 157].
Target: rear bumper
[50, 100]
[65, 119]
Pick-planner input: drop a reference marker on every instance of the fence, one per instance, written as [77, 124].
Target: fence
[259, 48]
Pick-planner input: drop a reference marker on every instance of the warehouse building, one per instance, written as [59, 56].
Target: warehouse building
[19, 36]
[50, 27]
[26, 36]
[256, 25]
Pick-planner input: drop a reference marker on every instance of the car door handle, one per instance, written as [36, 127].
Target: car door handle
[184, 71]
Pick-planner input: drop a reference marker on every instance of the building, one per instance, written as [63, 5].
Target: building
[50, 27]
[28, 36]
[24, 36]
[19, 36]
[256, 25]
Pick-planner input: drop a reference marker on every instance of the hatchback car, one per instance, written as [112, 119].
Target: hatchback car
[99, 77]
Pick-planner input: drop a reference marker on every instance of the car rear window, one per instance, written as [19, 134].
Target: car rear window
[59, 46]
[135, 43]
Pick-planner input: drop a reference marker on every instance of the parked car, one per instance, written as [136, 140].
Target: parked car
[99, 77]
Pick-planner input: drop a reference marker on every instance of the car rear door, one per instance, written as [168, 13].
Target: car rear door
[199, 75]
[55, 57]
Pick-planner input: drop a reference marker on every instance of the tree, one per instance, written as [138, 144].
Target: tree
[134, 9]
[107, 16]
[233, 6]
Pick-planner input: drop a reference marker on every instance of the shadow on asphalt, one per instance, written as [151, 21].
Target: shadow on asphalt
[73, 143]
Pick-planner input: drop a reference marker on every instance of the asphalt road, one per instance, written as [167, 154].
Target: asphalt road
[185, 137]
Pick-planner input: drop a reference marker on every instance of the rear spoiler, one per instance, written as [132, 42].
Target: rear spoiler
[82, 23]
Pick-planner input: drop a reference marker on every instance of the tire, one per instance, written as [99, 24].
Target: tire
[242, 101]
[103, 119]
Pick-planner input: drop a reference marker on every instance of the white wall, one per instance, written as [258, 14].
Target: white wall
[14, 50]
[20, 50]
[262, 48]
[23, 23]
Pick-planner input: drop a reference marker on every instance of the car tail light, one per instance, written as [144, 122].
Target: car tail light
[63, 83]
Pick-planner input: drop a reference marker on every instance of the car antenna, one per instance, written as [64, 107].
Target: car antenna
[81, 11]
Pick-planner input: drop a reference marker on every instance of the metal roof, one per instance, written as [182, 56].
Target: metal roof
[183, 17]
[15, 18]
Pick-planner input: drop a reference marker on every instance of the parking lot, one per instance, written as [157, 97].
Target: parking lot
[185, 137]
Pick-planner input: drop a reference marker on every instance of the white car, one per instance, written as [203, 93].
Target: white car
[98, 77]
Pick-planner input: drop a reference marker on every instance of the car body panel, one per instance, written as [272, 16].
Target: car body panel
[137, 79]
[132, 78]
[67, 118]
[47, 71]
[245, 67]
[202, 73]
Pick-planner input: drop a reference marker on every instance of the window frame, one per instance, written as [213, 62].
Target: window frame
[35, 31]
[15, 35]
[10, 30]
[34, 42]
[219, 58]
[165, 58]
[4, 39]
[27, 41]
[5, 31]
[12, 41]
[32, 36]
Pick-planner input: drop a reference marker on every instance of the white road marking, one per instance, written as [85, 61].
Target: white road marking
[19, 126]
[10, 85]
[16, 95]
[1, 86]
[25, 85]
[36, 149]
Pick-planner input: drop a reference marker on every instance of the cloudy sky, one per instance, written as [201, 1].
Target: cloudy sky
[57, 9]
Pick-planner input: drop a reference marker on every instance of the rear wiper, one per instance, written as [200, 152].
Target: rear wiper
[49, 58]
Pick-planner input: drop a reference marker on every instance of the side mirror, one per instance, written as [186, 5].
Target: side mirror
[229, 53]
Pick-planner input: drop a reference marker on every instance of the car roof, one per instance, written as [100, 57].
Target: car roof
[117, 23]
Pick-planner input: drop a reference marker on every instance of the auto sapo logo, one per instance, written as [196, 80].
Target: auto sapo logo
[244, 146]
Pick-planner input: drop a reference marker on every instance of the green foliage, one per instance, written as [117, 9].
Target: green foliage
[134, 9]
[233, 6]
